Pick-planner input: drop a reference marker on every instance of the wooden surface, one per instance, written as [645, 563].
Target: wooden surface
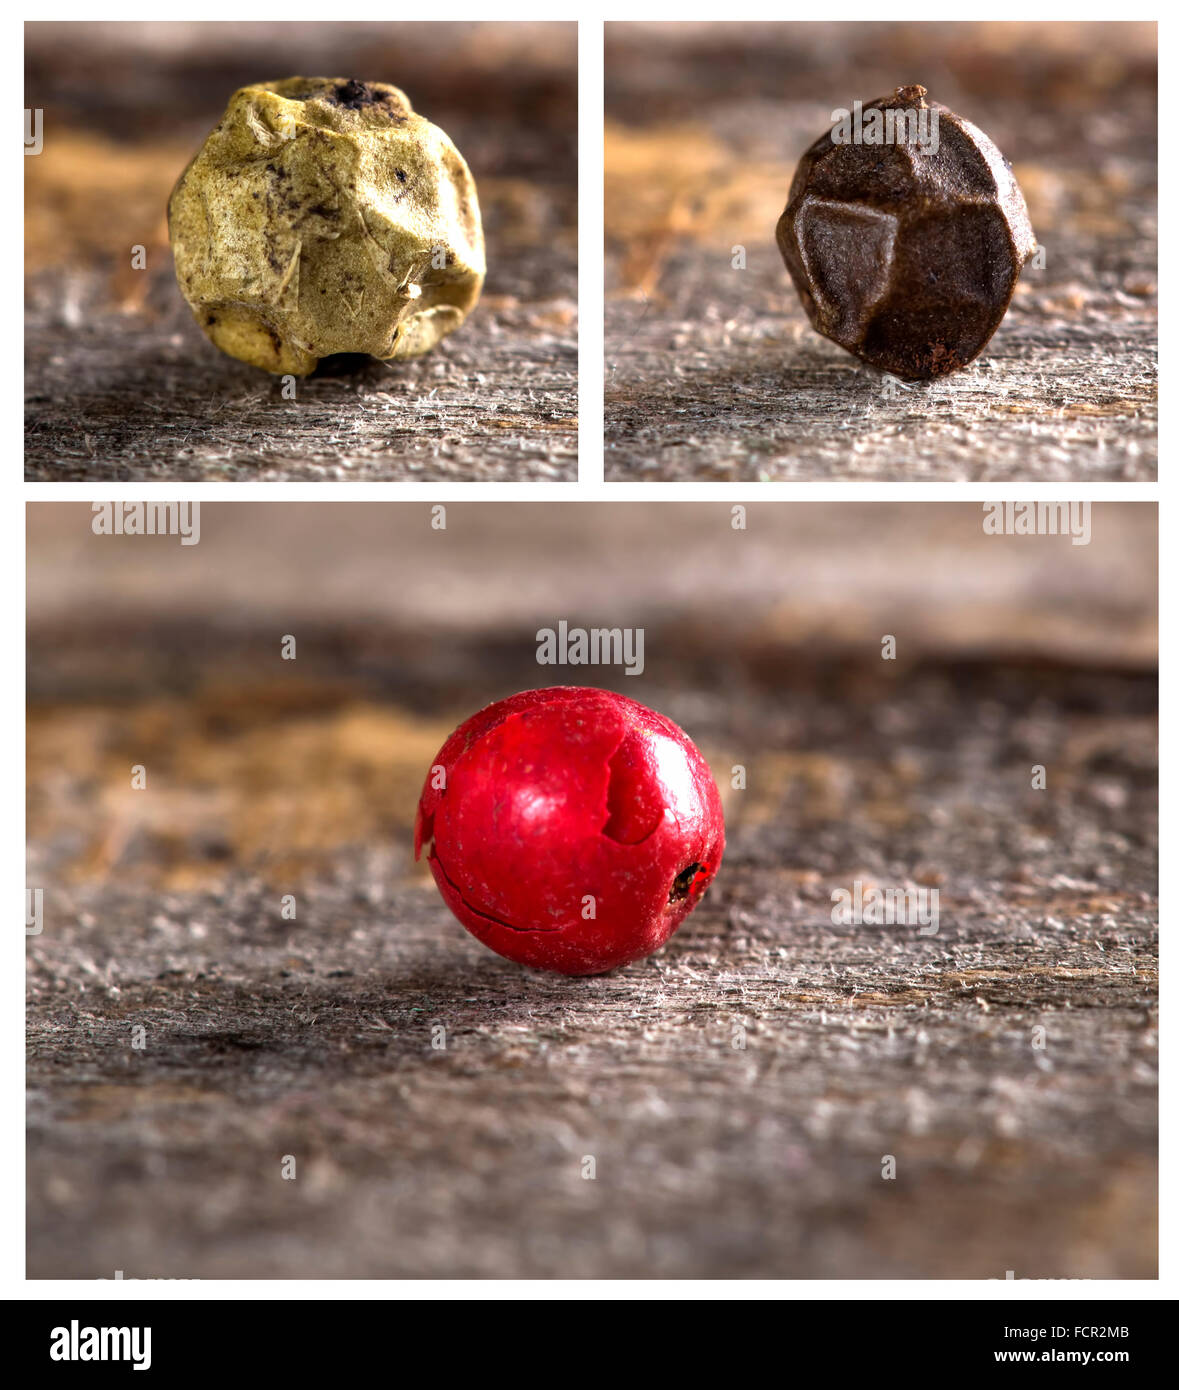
[312, 1038]
[122, 385]
[715, 373]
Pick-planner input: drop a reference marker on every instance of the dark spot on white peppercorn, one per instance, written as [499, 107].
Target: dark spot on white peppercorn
[400, 174]
[355, 95]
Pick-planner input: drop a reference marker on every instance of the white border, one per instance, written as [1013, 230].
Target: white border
[590, 357]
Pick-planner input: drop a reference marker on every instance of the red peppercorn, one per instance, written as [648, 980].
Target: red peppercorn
[570, 829]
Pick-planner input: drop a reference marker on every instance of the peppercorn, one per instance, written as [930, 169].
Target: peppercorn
[906, 252]
[570, 829]
[324, 216]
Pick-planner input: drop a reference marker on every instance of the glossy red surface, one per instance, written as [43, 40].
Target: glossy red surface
[567, 802]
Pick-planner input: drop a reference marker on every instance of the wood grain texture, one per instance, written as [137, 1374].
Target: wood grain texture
[313, 1038]
[122, 385]
[715, 373]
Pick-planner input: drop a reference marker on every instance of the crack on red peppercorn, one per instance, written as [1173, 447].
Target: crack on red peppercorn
[423, 835]
[479, 911]
[684, 882]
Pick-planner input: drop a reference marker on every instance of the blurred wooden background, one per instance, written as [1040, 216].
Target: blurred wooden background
[716, 373]
[121, 384]
[267, 1037]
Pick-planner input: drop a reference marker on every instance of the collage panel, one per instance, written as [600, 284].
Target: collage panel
[295, 251]
[881, 251]
[649, 890]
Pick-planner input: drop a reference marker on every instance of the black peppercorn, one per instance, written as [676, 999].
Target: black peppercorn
[904, 234]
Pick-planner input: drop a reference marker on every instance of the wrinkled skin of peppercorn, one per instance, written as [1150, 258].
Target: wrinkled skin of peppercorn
[323, 216]
[907, 258]
[553, 796]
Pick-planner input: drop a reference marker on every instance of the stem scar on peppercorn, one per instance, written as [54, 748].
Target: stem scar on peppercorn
[354, 94]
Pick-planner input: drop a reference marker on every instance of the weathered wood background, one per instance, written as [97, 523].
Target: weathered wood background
[716, 373]
[312, 1038]
[122, 385]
